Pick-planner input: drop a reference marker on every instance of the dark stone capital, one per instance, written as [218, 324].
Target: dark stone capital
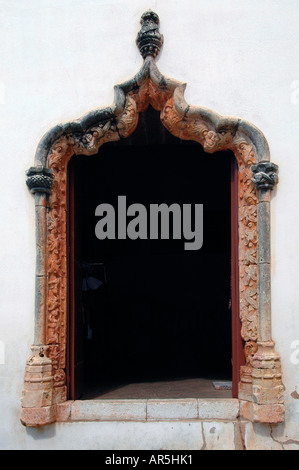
[39, 179]
[149, 40]
[265, 175]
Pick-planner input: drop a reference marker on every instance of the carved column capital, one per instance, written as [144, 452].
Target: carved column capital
[39, 179]
[149, 40]
[265, 175]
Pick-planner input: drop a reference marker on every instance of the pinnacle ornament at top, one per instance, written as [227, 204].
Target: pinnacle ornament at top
[149, 40]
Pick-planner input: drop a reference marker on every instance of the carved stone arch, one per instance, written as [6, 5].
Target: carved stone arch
[261, 388]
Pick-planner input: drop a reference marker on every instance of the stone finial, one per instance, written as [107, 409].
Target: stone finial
[149, 40]
[264, 175]
[39, 179]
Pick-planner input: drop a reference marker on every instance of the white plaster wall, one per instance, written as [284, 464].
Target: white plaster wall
[60, 59]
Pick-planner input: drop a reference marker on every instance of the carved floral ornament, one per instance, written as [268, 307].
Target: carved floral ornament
[260, 389]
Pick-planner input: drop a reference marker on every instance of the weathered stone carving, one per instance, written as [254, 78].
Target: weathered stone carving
[57, 267]
[39, 179]
[265, 176]
[37, 398]
[261, 383]
[149, 39]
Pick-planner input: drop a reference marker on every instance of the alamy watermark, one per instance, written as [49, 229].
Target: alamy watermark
[295, 354]
[160, 215]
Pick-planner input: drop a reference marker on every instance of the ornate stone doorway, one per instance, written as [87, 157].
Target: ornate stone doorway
[148, 311]
[260, 388]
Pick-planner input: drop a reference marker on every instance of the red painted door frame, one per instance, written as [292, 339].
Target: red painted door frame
[238, 357]
[71, 287]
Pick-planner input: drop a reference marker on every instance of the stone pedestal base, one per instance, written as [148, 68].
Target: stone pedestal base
[37, 399]
[267, 386]
[35, 417]
[267, 414]
[261, 389]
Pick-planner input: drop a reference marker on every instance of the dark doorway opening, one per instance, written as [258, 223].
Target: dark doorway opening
[148, 310]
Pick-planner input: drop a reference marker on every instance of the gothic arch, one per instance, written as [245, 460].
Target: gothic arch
[260, 388]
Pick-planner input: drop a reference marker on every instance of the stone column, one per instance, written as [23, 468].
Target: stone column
[37, 398]
[265, 178]
[267, 387]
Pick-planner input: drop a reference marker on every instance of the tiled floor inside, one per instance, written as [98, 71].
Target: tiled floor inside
[180, 388]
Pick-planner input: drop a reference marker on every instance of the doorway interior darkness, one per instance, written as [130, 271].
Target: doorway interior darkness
[148, 310]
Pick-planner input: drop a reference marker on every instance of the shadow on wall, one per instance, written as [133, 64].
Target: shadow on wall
[42, 433]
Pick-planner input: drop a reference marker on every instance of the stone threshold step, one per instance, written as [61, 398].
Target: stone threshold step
[149, 409]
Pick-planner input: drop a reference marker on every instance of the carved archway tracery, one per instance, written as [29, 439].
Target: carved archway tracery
[260, 389]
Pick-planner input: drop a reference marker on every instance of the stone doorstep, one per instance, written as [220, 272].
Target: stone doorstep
[149, 410]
